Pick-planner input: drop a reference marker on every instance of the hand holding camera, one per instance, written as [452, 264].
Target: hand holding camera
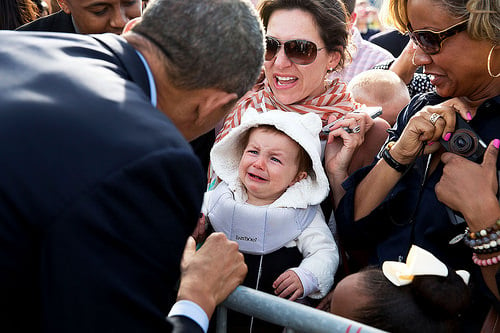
[465, 142]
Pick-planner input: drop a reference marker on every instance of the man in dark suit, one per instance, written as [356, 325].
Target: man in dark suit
[88, 17]
[99, 188]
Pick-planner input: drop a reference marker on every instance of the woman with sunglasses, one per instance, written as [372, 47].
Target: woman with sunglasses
[306, 40]
[417, 193]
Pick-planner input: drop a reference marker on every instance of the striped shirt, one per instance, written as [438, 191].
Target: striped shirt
[364, 55]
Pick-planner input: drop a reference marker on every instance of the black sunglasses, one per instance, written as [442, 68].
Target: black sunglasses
[301, 52]
[431, 41]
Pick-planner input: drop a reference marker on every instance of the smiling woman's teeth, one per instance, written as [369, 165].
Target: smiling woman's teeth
[285, 80]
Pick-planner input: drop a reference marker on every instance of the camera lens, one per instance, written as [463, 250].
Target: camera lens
[462, 143]
[465, 142]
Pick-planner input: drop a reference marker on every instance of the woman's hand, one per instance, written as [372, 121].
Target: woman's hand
[426, 127]
[471, 188]
[345, 152]
[406, 64]
[342, 145]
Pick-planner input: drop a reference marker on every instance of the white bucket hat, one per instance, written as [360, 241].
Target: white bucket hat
[304, 129]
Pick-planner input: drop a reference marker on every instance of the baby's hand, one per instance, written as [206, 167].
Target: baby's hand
[200, 231]
[288, 283]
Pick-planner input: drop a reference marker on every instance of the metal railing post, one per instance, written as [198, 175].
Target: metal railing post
[221, 319]
[279, 311]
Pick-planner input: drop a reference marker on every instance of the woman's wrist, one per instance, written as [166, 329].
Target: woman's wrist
[394, 164]
[397, 155]
[483, 215]
[336, 179]
[337, 174]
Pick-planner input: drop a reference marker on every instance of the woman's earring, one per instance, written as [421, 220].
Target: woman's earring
[489, 63]
[413, 58]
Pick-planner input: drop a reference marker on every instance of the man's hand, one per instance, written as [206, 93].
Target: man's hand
[210, 274]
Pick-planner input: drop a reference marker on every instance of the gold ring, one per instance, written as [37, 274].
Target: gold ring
[433, 118]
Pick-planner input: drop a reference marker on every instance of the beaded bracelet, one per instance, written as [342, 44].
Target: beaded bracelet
[486, 238]
[485, 262]
[487, 248]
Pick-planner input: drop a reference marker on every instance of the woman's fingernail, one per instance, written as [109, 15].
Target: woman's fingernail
[496, 143]
[447, 136]
[430, 143]
[468, 116]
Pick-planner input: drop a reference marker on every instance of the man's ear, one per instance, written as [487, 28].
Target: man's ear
[64, 6]
[214, 103]
[130, 24]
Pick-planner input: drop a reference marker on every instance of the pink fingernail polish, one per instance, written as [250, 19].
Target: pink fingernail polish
[430, 143]
[447, 136]
[468, 116]
[496, 143]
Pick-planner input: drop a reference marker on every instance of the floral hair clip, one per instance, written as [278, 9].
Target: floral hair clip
[418, 262]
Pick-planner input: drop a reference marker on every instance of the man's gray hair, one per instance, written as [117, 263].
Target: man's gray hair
[209, 43]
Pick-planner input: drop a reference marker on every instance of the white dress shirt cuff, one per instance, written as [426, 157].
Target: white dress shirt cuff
[191, 310]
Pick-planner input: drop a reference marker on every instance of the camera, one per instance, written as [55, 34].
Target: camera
[465, 142]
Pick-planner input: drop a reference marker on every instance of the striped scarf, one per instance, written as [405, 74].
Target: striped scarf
[335, 100]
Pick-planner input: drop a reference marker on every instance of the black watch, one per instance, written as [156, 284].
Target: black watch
[386, 155]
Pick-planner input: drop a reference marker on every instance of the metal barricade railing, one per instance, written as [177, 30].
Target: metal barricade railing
[279, 311]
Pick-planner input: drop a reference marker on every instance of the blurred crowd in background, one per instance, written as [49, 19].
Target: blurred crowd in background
[19, 12]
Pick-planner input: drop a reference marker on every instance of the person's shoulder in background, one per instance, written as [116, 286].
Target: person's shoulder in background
[369, 33]
[57, 22]
[391, 40]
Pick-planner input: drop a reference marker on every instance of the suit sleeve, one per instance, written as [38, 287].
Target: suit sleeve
[111, 260]
[181, 324]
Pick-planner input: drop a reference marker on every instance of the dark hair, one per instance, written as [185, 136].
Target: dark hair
[303, 158]
[15, 13]
[429, 304]
[330, 17]
[208, 44]
[350, 5]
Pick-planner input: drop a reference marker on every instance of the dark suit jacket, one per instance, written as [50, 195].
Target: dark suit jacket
[57, 22]
[61, 22]
[98, 189]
